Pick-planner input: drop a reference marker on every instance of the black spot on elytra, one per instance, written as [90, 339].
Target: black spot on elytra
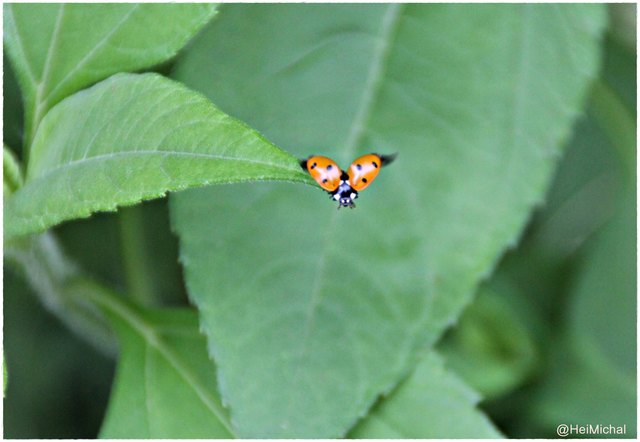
[324, 181]
[329, 167]
[374, 164]
[313, 166]
[364, 180]
[359, 166]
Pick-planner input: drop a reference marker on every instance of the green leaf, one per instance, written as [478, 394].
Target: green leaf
[12, 178]
[605, 303]
[12, 109]
[58, 49]
[431, 404]
[164, 387]
[592, 378]
[312, 313]
[135, 137]
[165, 384]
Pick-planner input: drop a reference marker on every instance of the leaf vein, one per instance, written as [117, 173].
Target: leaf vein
[91, 53]
[28, 68]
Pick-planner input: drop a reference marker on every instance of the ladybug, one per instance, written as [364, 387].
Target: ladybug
[344, 186]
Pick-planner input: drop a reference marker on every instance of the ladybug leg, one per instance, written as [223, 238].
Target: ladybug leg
[351, 205]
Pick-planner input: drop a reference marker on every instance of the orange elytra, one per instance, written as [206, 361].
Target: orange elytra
[344, 186]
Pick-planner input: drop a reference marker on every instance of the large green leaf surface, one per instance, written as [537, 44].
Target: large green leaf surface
[310, 312]
[58, 49]
[432, 403]
[135, 137]
[164, 386]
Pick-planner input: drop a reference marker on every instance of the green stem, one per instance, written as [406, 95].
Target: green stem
[110, 302]
[136, 262]
[51, 275]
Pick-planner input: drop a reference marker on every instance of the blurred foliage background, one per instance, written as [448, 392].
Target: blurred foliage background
[550, 339]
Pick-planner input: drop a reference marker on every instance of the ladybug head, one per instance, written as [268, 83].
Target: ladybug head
[346, 202]
[345, 195]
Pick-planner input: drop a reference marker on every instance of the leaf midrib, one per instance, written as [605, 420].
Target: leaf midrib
[46, 69]
[143, 153]
[153, 339]
[39, 105]
[90, 54]
[43, 95]
[354, 137]
[521, 94]
[27, 64]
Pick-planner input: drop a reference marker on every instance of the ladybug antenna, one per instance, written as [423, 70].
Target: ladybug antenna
[387, 159]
